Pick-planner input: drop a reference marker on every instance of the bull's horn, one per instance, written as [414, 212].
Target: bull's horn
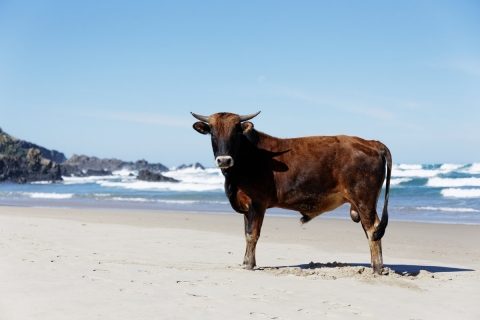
[249, 116]
[201, 118]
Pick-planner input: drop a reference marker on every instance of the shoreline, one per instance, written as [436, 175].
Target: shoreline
[341, 213]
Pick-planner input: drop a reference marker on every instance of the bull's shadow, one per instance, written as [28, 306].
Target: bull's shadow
[398, 268]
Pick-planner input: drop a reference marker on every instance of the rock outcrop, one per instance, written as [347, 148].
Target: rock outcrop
[71, 171]
[91, 172]
[146, 175]
[93, 163]
[74, 171]
[196, 165]
[13, 147]
[33, 167]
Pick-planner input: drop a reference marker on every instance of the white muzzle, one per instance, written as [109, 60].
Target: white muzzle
[224, 162]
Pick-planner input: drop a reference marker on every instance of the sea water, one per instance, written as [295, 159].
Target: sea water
[442, 193]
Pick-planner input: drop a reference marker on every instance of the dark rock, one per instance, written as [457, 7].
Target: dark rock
[71, 171]
[91, 172]
[31, 168]
[93, 163]
[53, 155]
[146, 175]
[75, 171]
[196, 165]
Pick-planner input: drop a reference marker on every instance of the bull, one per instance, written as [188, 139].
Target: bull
[311, 175]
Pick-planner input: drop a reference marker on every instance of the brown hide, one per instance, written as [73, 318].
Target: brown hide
[311, 175]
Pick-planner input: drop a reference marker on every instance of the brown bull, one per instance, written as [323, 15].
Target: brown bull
[311, 175]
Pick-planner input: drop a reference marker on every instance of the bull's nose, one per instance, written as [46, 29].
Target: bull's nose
[224, 162]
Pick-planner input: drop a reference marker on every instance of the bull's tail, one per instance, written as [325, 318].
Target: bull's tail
[380, 230]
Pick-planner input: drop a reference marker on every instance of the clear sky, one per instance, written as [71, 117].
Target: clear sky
[118, 78]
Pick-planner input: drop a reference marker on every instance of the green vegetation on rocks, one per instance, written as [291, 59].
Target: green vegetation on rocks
[13, 147]
[9, 146]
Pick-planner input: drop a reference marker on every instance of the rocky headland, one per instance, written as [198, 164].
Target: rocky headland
[22, 162]
[31, 168]
[14, 147]
[78, 165]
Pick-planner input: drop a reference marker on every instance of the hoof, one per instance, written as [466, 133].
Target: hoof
[377, 269]
[248, 265]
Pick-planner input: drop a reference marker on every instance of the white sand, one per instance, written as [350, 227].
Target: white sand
[88, 264]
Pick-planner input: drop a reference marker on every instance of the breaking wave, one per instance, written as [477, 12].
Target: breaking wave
[450, 182]
[420, 171]
[397, 181]
[461, 193]
[162, 186]
[166, 201]
[446, 209]
[41, 195]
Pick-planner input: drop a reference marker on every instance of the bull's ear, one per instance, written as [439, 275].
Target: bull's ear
[246, 127]
[249, 133]
[201, 127]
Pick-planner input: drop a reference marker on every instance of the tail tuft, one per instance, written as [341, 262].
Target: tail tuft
[305, 219]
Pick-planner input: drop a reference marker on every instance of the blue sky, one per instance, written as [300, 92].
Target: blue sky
[118, 78]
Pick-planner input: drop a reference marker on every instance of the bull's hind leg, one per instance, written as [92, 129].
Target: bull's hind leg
[370, 221]
[253, 224]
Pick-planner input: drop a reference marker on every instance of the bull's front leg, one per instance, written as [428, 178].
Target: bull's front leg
[253, 224]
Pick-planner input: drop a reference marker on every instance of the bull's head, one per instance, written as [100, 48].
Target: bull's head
[226, 130]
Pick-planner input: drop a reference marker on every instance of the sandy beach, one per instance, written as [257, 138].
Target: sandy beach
[119, 264]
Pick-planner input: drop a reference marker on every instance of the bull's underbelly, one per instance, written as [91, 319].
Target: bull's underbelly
[311, 204]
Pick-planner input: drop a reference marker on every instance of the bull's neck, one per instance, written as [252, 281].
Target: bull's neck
[253, 159]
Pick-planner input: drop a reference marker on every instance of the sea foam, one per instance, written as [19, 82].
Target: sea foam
[397, 181]
[91, 179]
[450, 182]
[461, 193]
[407, 166]
[162, 186]
[42, 195]
[417, 171]
[451, 166]
[167, 201]
[473, 169]
[446, 209]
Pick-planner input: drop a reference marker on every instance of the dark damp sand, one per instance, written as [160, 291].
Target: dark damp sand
[124, 264]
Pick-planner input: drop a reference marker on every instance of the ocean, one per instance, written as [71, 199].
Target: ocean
[440, 193]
